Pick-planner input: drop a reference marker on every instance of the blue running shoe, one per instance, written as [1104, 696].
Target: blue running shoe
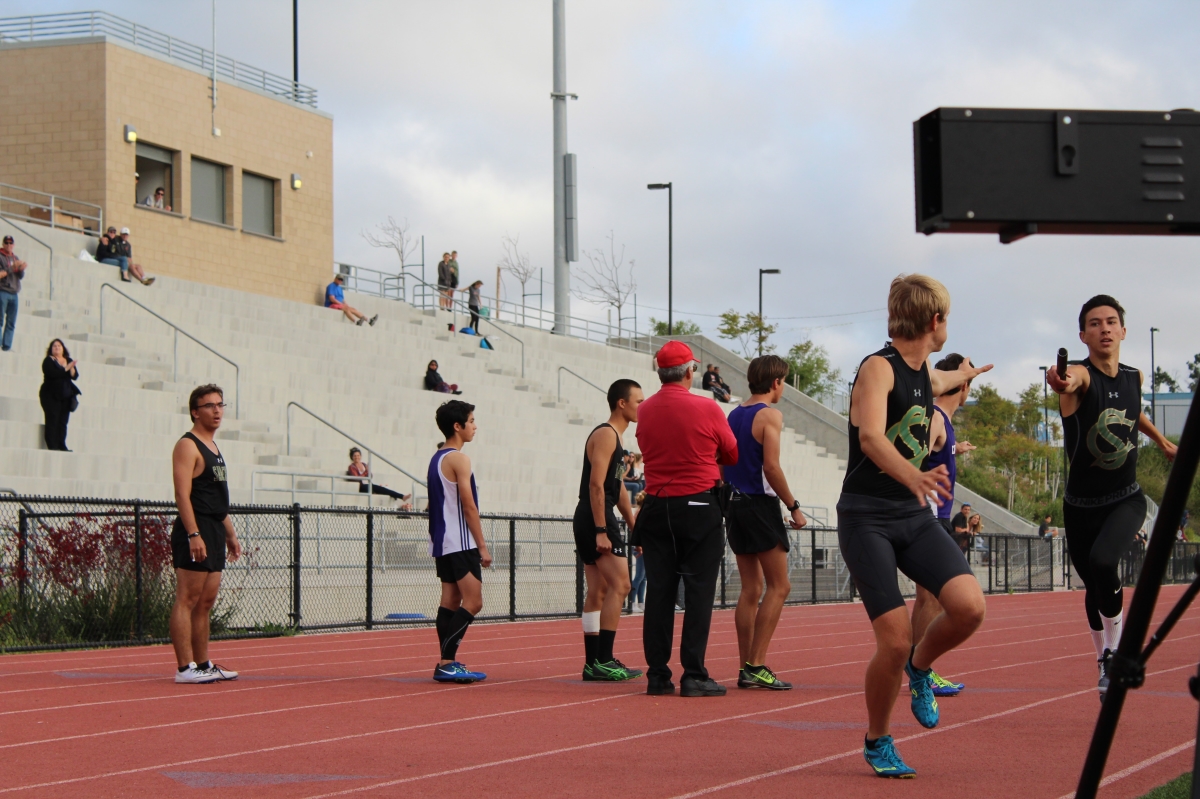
[924, 704]
[885, 760]
[944, 687]
[457, 672]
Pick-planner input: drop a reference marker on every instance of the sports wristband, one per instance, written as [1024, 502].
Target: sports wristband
[600, 530]
[194, 535]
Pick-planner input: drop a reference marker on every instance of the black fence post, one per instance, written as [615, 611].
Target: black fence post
[578, 585]
[137, 569]
[1007, 565]
[991, 553]
[1029, 565]
[370, 568]
[295, 614]
[512, 569]
[812, 561]
[22, 555]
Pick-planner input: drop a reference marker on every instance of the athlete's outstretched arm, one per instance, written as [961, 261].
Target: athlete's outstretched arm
[460, 465]
[868, 412]
[1147, 428]
[948, 381]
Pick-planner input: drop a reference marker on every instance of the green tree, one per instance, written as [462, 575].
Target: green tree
[748, 331]
[1193, 367]
[811, 371]
[1164, 379]
[681, 327]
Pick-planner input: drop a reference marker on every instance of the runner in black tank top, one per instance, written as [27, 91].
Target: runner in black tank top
[884, 522]
[598, 537]
[200, 537]
[1103, 506]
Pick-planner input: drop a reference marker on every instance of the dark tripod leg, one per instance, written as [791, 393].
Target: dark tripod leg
[1194, 685]
[1126, 660]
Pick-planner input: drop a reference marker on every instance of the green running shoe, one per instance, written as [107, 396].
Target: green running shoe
[761, 677]
[613, 671]
[588, 674]
[942, 686]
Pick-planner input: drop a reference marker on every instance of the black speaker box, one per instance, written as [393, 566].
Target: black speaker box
[1016, 172]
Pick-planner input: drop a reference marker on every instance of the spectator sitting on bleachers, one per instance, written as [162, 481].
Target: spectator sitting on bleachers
[634, 480]
[106, 253]
[361, 471]
[712, 382]
[335, 298]
[434, 381]
[123, 250]
[159, 200]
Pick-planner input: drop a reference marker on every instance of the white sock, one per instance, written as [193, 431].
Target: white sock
[1098, 642]
[591, 622]
[1112, 631]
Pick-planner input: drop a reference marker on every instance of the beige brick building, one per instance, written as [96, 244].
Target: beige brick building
[236, 219]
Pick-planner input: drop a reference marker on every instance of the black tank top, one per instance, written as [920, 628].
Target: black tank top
[1102, 439]
[612, 476]
[909, 410]
[210, 489]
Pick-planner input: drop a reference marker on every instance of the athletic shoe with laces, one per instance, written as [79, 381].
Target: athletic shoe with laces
[1102, 664]
[882, 757]
[222, 672]
[589, 675]
[456, 672]
[944, 687]
[195, 675]
[761, 677]
[613, 671]
[924, 704]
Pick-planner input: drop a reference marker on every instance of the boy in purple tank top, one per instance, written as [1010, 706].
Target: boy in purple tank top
[943, 451]
[754, 524]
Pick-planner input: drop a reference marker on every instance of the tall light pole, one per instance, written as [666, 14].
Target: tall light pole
[670, 246]
[762, 272]
[566, 245]
[1153, 381]
[296, 50]
[1045, 405]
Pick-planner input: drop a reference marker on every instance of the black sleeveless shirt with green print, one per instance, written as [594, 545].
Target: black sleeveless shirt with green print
[1102, 439]
[909, 410]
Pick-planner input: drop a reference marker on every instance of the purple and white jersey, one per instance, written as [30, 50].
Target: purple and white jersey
[448, 532]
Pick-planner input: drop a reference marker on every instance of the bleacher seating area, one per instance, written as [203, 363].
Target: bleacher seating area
[365, 380]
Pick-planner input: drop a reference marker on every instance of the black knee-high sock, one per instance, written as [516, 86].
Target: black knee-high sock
[604, 648]
[444, 615]
[456, 628]
[591, 642]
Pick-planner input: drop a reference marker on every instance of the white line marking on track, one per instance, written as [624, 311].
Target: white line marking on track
[1136, 767]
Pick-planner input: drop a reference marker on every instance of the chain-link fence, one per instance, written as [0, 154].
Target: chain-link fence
[83, 572]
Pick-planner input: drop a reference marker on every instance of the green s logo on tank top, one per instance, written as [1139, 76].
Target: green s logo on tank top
[1114, 458]
[220, 474]
[902, 430]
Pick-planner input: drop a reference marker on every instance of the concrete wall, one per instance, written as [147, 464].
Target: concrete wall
[67, 102]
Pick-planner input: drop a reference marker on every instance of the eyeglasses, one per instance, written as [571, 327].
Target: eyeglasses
[208, 406]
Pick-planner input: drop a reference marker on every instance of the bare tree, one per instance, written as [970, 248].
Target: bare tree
[516, 263]
[608, 281]
[393, 236]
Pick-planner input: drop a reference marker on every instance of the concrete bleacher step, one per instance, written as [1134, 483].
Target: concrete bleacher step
[118, 340]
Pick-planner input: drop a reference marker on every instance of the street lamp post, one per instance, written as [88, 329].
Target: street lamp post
[670, 246]
[762, 272]
[1045, 405]
[1153, 381]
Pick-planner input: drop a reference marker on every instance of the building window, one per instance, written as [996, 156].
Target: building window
[258, 204]
[208, 191]
[156, 170]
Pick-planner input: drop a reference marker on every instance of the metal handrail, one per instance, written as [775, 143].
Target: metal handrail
[101, 23]
[342, 432]
[50, 270]
[175, 363]
[562, 369]
[334, 478]
[456, 305]
[51, 206]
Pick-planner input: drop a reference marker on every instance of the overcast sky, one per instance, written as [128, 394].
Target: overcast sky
[785, 128]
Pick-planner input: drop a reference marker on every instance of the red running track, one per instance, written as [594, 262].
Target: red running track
[356, 714]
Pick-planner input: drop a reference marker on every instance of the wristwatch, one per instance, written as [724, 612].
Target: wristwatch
[194, 535]
[600, 530]
[795, 506]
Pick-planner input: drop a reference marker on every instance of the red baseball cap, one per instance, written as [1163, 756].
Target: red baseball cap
[674, 353]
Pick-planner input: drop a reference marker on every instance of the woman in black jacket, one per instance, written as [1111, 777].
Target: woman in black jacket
[58, 393]
[434, 381]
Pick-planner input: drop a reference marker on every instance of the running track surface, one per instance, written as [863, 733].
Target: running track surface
[356, 714]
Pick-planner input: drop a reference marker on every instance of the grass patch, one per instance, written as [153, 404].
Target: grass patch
[1180, 788]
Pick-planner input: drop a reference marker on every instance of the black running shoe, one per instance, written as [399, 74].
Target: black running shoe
[761, 677]
[660, 688]
[693, 687]
[589, 675]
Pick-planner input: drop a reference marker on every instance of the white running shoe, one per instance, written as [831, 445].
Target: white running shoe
[195, 675]
[223, 673]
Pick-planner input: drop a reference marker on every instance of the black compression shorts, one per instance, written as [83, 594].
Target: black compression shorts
[212, 531]
[877, 536]
[457, 565]
[584, 527]
[754, 524]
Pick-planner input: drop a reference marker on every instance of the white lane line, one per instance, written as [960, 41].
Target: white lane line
[1139, 766]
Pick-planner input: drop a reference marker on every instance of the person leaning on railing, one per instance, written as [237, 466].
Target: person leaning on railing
[362, 471]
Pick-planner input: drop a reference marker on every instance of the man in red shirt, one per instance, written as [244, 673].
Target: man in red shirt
[682, 437]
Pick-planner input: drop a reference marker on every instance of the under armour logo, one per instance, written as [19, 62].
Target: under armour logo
[916, 392]
[1114, 395]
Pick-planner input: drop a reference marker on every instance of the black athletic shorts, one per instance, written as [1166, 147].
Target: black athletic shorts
[212, 530]
[754, 523]
[947, 525]
[455, 566]
[584, 527]
[877, 536]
